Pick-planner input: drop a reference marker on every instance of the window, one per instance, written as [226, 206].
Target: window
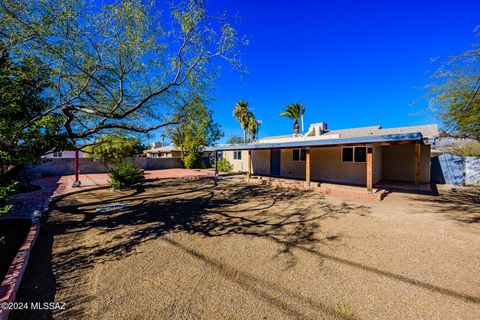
[299, 154]
[237, 155]
[354, 154]
[360, 154]
[57, 154]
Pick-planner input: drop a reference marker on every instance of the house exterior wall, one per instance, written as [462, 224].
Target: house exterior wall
[290, 168]
[238, 165]
[327, 165]
[396, 163]
[67, 154]
[399, 163]
[260, 162]
[175, 154]
[377, 164]
[164, 154]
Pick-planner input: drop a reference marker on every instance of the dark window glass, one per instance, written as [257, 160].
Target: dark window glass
[303, 153]
[299, 154]
[237, 155]
[296, 156]
[360, 154]
[347, 154]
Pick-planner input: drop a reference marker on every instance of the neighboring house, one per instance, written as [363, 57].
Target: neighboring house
[171, 151]
[357, 156]
[159, 151]
[65, 154]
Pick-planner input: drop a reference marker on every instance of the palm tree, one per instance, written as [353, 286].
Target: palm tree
[241, 114]
[252, 127]
[164, 135]
[294, 112]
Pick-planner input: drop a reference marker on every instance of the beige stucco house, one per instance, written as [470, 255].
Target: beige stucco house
[159, 151]
[170, 151]
[358, 156]
[64, 154]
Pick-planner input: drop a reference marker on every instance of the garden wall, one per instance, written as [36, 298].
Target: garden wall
[472, 170]
[59, 167]
[452, 169]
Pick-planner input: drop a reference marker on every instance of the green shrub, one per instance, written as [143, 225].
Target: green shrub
[5, 191]
[125, 175]
[190, 160]
[224, 165]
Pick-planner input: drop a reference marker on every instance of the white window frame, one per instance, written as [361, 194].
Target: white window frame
[57, 154]
[237, 155]
[353, 155]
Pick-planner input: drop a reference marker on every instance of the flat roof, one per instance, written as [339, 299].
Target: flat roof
[402, 137]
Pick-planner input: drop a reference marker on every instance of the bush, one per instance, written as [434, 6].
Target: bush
[469, 149]
[224, 165]
[190, 160]
[125, 175]
[5, 191]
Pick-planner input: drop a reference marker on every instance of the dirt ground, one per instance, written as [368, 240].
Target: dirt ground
[217, 249]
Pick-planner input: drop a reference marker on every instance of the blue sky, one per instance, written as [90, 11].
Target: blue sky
[351, 63]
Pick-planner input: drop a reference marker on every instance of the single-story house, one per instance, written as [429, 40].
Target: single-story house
[64, 154]
[163, 152]
[358, 156]
[170, 151]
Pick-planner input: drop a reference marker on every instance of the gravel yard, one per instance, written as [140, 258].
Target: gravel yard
[218, 249]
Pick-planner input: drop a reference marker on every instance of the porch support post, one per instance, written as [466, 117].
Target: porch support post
[307, 166]
[216, 163]
[417, 164]
[249, 159]
[369, 168]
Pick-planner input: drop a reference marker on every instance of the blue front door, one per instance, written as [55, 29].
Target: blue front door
[275, 163]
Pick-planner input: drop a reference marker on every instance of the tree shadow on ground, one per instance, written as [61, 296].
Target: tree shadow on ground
[211, 208]
[292, 303]
[207, 207]
[462, 205]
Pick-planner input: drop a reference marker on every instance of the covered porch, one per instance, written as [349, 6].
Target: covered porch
[368, 166]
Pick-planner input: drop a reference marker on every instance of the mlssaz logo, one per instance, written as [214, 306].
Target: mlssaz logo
[48, 306]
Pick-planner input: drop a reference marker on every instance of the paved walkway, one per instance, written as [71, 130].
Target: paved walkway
[25, 204]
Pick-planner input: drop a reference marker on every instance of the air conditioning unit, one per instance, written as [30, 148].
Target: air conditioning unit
[323, 127]
[317, 129]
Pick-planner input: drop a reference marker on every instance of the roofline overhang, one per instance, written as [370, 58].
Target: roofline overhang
[398, 138]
